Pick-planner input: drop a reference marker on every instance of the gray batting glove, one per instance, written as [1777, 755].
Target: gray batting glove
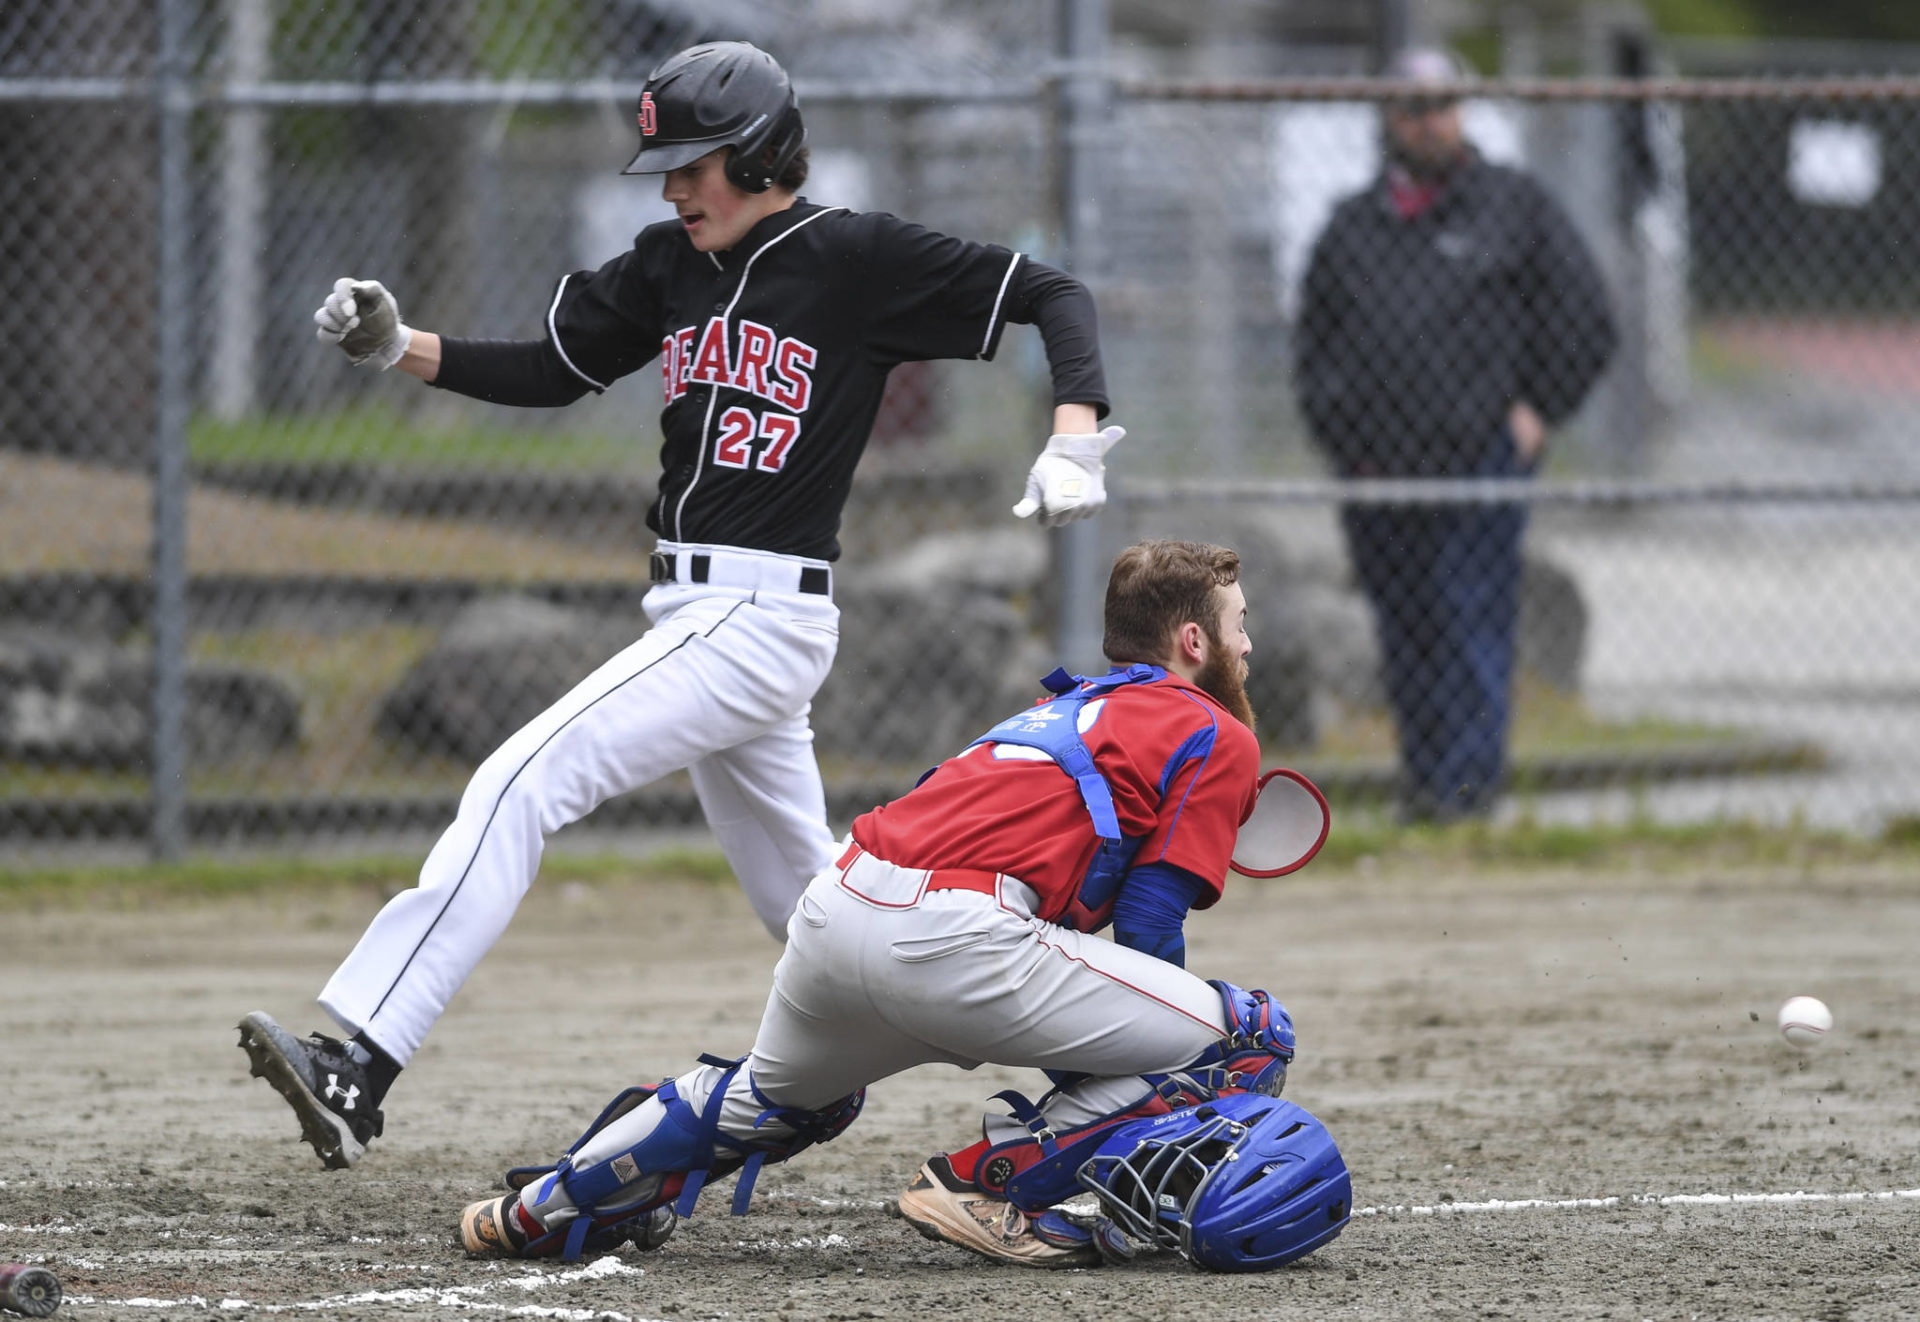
[361, 317]
[1068, 480]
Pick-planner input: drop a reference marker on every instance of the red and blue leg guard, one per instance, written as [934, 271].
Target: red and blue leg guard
[1254, 1055]
[1040, 1170]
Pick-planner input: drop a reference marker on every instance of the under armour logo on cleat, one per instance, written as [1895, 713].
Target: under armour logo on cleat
[346, 1094]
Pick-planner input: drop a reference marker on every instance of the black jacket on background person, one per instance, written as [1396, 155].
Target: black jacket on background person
[1416, 335]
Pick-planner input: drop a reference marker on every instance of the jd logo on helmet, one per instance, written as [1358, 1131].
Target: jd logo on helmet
[648, 124]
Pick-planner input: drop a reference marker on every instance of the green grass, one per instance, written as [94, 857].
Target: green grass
[1719, 363]
[1357, 844]
[20, 780]
[1641, 845]
[339, 680]
[388, 437]
[209, 877]
[1547, 722]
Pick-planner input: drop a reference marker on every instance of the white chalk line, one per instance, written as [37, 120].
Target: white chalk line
[1637, 1200]
[467, 1298]
[472, 1298]
[830, 1204]
[833, 1241]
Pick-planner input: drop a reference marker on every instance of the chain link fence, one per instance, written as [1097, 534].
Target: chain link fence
[380, 581]
[1692, 601]
[366, 585]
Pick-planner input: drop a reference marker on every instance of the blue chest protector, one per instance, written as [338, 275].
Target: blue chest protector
[1053, 727]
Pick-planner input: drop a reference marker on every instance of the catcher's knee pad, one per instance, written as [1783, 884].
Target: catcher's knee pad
[1254, 1055]
[675, 1150]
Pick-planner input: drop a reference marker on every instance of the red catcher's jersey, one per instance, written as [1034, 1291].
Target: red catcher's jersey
[1183, 774]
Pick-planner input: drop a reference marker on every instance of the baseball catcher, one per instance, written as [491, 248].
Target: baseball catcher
[958, 924]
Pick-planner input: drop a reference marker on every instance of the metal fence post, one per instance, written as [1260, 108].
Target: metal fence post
[1084, 93]
[1393, 33]
[242, 286]
[173, 284]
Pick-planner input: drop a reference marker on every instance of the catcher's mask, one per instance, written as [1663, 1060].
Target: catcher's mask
[1243, 1184]
[720, 94]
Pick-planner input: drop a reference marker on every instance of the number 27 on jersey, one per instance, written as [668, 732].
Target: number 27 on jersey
[735, 445]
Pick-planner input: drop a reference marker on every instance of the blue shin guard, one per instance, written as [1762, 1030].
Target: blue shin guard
[675, 1159]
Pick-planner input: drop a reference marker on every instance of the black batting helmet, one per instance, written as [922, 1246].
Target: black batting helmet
[720, 94]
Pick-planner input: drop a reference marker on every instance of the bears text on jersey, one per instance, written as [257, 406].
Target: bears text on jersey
[776, 368]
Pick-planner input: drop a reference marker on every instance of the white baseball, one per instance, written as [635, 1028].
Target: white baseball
[1804, 1021]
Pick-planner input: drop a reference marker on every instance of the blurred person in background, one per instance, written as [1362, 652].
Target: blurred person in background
[1451, 316]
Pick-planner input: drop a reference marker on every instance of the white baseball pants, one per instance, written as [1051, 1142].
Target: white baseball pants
[720, 685]
[882, 973]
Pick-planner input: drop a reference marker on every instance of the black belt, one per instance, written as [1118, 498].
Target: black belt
[661, 566]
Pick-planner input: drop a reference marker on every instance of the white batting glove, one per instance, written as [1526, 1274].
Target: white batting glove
[361, 317]
[1068, 481]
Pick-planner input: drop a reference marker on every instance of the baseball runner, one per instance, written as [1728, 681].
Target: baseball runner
[775, 322]
[957, 924]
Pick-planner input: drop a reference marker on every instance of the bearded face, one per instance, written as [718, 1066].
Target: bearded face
[1223, 677]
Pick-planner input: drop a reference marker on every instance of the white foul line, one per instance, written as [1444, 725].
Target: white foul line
[1638, 1199]
[465, 1298]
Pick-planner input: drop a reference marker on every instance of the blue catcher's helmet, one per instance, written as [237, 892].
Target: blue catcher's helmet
[1243, 1184]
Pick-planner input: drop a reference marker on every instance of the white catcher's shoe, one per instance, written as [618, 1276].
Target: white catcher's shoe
[942, 1206]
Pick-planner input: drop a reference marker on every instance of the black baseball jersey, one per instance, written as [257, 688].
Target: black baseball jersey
[773, 356]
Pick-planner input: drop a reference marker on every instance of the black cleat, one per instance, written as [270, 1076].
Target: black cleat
[322, 1082]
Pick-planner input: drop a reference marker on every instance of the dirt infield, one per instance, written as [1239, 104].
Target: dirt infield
[1553, 1092]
